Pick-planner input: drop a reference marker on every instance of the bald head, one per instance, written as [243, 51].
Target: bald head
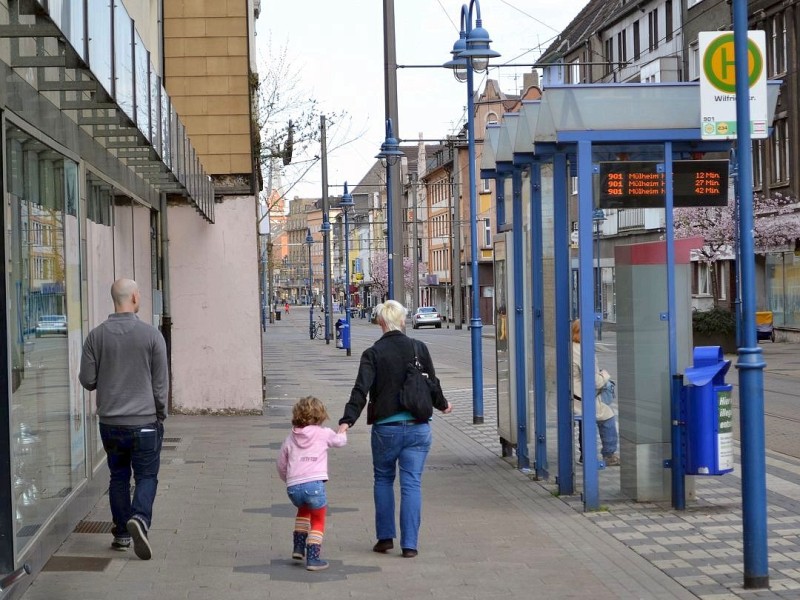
[125, 294]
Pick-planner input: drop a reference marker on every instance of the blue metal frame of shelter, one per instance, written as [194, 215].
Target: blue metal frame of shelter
[560, 132]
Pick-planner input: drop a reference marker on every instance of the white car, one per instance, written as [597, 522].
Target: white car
[51, 325]
[426, 316]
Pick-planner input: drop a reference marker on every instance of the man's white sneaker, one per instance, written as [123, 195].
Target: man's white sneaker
[141, 545]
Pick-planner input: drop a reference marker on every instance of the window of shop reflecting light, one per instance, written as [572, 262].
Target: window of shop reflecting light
[47, 417]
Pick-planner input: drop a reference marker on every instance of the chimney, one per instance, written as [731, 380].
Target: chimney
[530, 80]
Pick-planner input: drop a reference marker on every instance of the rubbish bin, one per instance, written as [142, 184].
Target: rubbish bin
[277, 315]
[344, 332]
[708, 414]
[338, 325]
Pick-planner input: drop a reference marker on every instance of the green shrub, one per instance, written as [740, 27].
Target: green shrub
[716, 320]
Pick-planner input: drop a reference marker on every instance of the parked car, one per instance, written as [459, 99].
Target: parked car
[426, 315]
[51, 325]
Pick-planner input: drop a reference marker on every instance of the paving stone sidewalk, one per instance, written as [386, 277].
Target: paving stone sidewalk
[222, 524]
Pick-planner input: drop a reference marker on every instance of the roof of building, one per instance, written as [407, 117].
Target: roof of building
[588, 20]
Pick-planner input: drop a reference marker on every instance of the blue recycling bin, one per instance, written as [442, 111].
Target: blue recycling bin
[342, 334]
[708, 414]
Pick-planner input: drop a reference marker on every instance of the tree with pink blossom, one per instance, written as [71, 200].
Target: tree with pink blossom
[379, 269]
[776, 225]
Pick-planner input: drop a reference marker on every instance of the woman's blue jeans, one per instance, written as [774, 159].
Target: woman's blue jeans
[403, 445]
[137, 450]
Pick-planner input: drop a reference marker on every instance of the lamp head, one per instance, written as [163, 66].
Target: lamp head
[347, 201]
[478, 51]
[390, 149]
[458, 64]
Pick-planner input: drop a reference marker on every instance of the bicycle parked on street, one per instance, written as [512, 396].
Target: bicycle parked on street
[317, 329]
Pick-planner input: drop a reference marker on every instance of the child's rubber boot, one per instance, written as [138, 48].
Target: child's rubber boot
[299, 550]
[313, 561]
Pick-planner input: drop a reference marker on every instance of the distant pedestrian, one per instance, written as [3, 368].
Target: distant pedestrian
[604, 414]
[398, 440]
[125, 361]
[286, 307]
[303, 465]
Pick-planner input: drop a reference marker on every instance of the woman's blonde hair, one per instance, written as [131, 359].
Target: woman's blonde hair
[576, 331]
[392, 314]
[309, 411]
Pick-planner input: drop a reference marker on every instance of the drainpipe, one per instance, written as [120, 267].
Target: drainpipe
[166, 313]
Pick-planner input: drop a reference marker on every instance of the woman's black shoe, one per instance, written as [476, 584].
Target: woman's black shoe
[383, 545]
[409, 553]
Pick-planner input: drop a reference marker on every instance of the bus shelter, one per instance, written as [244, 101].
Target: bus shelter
[569, 162]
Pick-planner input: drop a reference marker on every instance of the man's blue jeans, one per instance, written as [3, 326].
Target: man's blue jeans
[405, 445]
[136, 449]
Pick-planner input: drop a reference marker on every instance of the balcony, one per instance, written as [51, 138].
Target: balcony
[91, 64]
[630, 218]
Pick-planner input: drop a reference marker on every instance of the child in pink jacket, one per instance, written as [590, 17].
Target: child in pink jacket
[303, 465]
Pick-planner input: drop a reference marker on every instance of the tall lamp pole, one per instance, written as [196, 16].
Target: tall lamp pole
[598, 217]
[472, 53]
[751, 361]
[389, 156]
[326, 234]
[309, 242]
[346, 203]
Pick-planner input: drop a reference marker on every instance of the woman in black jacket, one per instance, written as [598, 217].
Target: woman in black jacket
[397, 439]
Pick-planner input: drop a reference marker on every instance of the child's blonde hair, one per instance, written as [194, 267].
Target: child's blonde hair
[309, 411]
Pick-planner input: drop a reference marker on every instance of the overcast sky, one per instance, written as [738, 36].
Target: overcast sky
[337, 48]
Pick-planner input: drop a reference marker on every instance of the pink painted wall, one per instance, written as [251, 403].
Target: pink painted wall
[216, 330]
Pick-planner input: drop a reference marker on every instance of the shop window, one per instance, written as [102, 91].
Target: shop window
[48, 456]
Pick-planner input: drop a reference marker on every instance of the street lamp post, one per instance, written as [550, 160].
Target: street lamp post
[598, 217]
[389, 156]
[309, 242]
[346, 203]
[472, 53]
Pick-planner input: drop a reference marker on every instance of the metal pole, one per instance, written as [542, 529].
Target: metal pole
[455, 228]
[311, 307]
[266, 306]
[520, 387]
[389, 232]
[415, 248]
[326, 233]
[566, 481]
[541, 463]
[347, 283]
[395, 224]
[476, 326]
[597, 220]
[751, 363]
[270, 284]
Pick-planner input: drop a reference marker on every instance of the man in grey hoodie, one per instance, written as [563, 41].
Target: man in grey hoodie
[125, 361]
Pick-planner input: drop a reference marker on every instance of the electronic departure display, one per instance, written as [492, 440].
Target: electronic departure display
[638, 184]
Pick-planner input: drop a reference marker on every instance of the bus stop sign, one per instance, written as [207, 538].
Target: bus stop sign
[718, 84]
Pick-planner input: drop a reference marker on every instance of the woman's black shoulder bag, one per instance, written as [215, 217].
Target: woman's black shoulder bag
[419, 390]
